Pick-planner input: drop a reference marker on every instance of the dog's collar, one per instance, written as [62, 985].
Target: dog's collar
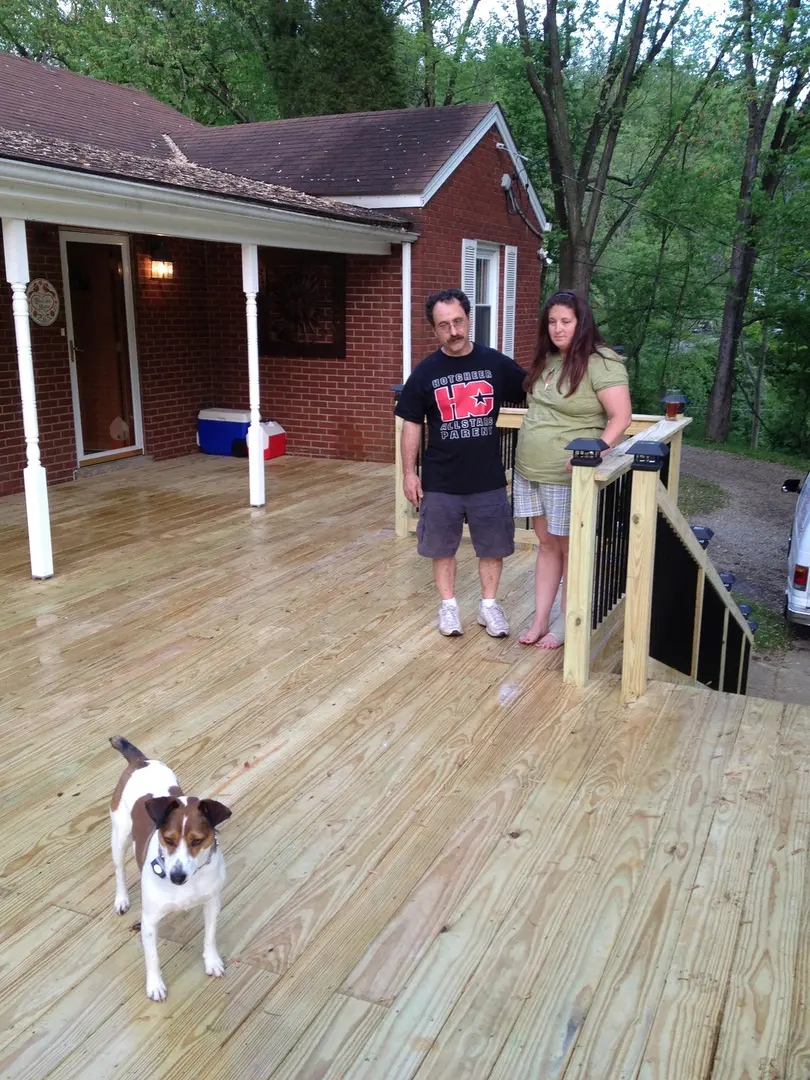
[159, 864]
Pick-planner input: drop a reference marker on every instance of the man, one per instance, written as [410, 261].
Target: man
[460, 389]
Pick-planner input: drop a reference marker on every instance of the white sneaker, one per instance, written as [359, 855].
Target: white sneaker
[449, 622]
[492, 617]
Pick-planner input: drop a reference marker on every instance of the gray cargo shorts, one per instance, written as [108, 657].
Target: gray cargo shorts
[442, 517]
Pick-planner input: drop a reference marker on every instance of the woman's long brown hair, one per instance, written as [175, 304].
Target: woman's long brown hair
[586, 341]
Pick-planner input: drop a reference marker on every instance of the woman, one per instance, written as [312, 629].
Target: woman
[577, 389]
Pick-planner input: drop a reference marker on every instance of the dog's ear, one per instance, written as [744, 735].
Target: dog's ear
[160, 808]
[214, 812]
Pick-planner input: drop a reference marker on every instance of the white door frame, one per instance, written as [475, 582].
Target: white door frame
[122, 241]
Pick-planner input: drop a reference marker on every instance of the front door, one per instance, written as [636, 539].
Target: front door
[101, 341]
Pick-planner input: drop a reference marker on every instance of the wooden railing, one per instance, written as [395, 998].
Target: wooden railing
[599, 547]
[509, 422]
[638, 578]
[676, 615]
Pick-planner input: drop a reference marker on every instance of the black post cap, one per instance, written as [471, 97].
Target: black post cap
[728, 579]
[745, 610]
[587, 452]
[675, 399]
[648, 456]
[703, 535]
[753, 625]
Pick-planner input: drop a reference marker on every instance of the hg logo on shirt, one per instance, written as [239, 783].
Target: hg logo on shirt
[463, 400]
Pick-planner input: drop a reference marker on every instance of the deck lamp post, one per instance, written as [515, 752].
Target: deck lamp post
[753, 625]
[648, 456]
[745, 610]
[703, 535]
[675, 403]
[728, 580]
[587, 452]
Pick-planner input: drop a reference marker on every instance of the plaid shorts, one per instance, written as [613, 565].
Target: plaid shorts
[551, 501]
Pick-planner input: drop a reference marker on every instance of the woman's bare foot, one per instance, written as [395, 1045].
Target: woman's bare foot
[533, 634]
[555, 637]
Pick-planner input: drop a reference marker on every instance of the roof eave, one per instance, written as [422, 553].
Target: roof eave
[40, 192]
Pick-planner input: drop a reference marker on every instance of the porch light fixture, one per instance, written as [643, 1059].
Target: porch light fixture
[161, 267]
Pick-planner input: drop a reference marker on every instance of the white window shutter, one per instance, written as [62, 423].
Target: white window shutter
[469, 250]
[509, 299]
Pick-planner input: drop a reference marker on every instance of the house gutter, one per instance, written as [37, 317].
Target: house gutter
[36, 192]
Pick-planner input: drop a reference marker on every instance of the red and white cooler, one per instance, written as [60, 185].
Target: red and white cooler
[274, 439]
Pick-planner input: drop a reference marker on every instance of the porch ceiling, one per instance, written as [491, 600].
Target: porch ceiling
[38, 192]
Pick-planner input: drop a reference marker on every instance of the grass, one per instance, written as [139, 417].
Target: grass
[775, 634]
[696, 497]
[796, 462]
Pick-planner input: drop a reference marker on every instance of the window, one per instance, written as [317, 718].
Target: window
[480, 280]
[302, 303]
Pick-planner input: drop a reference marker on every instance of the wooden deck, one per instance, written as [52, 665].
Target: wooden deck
[443, 862]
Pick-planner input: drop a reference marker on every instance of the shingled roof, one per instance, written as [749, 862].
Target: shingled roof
[377, 153]
[50, 102]
[54, 117]
[179, 172]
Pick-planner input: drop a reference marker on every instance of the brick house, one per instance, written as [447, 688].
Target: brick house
[158, 267]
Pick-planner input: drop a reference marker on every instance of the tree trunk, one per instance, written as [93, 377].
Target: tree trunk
[575, 264]
[718, 413]
[758, 385]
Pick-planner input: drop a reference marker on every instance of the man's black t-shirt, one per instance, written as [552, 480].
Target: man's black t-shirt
[461, 398]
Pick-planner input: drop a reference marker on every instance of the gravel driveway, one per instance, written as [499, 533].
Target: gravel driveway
[751, 534]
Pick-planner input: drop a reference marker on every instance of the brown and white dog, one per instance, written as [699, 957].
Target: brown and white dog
[175, 842]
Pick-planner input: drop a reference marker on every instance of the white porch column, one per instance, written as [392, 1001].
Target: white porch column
[250, 284]
[406, 311]
[36, 486]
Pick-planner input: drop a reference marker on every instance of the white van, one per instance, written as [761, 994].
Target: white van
[797, 596]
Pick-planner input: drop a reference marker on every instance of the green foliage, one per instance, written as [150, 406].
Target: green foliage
[223, 61]
[661, 272]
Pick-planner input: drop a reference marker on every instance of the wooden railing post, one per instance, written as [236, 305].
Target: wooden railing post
[401, 504]
[674, 476]
[648, 458]
[587, 454]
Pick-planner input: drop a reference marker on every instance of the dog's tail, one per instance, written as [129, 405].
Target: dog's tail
[133, 755]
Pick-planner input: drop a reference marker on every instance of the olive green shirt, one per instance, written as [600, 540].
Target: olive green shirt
[554, 420]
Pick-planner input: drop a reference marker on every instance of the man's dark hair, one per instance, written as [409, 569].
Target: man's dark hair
[444, 297]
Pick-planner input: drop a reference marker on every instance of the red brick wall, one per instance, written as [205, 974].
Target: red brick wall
[174, 350]
[472, 205]
[51, 375]
[329, 408]
[192, 346]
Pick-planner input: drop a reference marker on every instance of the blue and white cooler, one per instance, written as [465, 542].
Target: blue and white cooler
[223, 431]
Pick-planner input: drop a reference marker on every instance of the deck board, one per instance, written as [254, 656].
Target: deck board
[443, 862]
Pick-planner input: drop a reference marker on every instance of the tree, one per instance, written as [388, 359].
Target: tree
[580, 159]
[355, 64]
[222, 61]
[768, 61]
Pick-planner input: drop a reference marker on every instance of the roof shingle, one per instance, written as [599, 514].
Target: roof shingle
[377, 153]
[178, 172]
[50, 102]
